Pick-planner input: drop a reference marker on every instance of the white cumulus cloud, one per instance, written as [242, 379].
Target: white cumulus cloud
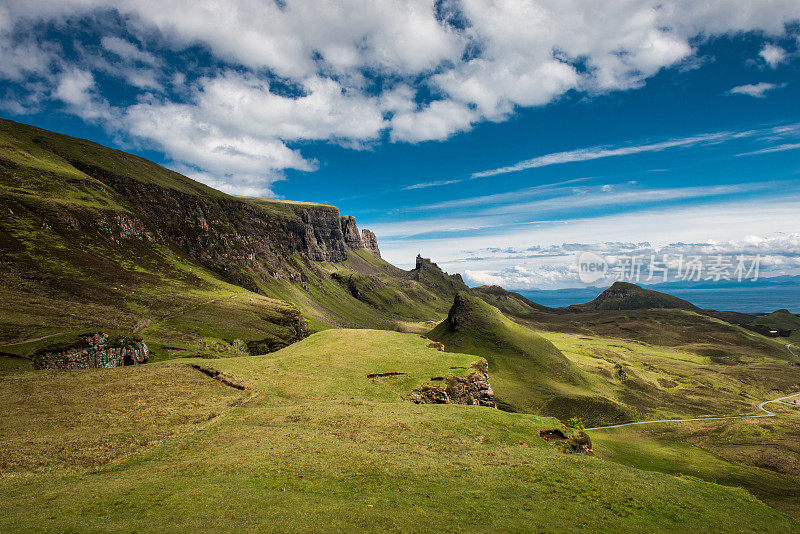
[418, 70]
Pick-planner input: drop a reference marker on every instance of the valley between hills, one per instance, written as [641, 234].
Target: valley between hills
[176, 357]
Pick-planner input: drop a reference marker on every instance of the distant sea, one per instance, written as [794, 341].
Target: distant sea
[747, 299]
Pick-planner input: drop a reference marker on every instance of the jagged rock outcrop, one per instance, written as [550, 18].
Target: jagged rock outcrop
[350, 232]
[474, 389]
[96, 350]
[370, 241]
[355, 240]
[431, 276]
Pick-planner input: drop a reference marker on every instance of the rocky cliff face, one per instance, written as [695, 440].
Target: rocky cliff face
[96, 351]
[354, 240]
[239, 239]
[350, 232]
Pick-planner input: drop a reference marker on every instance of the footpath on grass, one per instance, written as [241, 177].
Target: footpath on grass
[767, 413]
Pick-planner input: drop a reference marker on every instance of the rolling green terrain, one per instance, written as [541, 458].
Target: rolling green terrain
[780, 320]
[312, 444]
[283, 356]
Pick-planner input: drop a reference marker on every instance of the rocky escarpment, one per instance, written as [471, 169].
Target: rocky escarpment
[241, 239]
[473, 389]
[95, 350]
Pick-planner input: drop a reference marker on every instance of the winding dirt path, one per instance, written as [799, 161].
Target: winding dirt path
[767, 413]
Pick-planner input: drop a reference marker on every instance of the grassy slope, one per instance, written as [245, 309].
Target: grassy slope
[526, 369]
[780, 320]
[756, 455]
[320, 447]
[366, 291]
[644, 316]
[74, 278]
[75, 420]
[661, 382]
[65, 278]
[655, 382]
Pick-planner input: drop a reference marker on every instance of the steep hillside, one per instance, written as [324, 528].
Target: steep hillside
[79, 185]
[96, 240]
[630, 312]
[510, 303]
[526, 369]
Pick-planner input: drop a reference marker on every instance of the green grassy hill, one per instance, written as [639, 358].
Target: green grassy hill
[526, 369]
[627, 296]
[313, 443]
[779, 320]
[510, 303]
[296, 430]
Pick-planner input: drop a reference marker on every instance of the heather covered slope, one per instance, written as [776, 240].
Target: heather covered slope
[313, 443]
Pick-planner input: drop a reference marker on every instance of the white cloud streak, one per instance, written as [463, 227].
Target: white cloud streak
[550, 211]
[769, 150]
[756, 90]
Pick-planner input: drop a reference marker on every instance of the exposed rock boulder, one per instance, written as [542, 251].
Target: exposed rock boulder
[473, 389]
[96, 350]
[370, 241]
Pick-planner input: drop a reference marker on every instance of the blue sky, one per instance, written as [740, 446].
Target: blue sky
[495, 137]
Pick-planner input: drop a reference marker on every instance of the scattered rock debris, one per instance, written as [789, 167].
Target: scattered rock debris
[94, 351]
[436, 345]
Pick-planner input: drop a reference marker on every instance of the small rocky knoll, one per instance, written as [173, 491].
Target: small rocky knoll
[474, 389]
